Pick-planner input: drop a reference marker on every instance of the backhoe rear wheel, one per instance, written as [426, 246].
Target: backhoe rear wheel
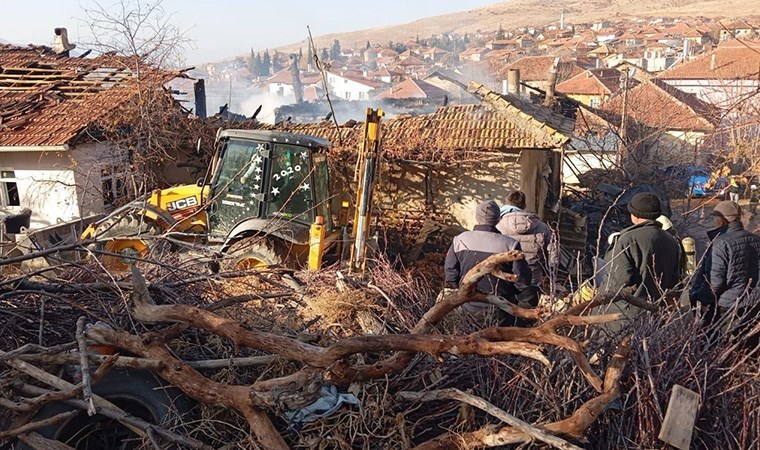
[121, 235]
[257, 252]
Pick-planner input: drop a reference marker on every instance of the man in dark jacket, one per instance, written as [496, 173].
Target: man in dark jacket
[701, 293]
[470, 248]
[644, 256]
[735, 266]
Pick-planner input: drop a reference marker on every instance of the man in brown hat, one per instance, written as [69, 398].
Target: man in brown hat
[644, 257]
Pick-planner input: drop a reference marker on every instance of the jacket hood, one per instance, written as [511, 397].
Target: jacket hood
[519, 222]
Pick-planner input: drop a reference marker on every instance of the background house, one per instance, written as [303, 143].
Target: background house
[54, 158]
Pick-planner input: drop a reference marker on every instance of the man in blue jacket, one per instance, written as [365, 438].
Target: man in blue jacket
[470, 248]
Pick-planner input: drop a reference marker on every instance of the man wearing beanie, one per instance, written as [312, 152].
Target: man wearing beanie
[735, 262]
[644, 257]
[472, 247]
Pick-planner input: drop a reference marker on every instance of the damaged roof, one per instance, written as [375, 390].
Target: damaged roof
[675, 110]
[500, 123]
[47, 100]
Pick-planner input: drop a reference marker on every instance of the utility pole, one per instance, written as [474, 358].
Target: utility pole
[296, 73]
[623, 121]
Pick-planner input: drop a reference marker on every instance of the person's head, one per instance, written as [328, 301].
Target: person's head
[644, 206]
[516, 199]
[487, 213]
[726, 212]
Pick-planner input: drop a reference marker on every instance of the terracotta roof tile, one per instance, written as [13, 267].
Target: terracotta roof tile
[536, 68]
[48, 100]
[592, 82]
[454, 132]
[674, 110]
[733, 60]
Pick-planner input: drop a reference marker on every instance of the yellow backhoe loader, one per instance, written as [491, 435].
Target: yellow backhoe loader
[268, 203]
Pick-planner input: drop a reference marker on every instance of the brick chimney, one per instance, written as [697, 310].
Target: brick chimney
[61, 43]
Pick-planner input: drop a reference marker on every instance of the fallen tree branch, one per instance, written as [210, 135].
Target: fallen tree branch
[573, 426]
[37, 442]
[84, 366]
[32, 426]
[524, 427]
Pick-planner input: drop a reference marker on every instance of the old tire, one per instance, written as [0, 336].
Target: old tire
[129, 228]
[257, 252]
[139, 392]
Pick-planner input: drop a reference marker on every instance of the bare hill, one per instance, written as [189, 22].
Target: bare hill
[516, 13]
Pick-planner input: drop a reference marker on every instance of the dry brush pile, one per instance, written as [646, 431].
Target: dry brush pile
[249, 350]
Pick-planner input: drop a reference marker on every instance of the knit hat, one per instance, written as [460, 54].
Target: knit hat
[645, 205]
[487, 213]
[729, 210]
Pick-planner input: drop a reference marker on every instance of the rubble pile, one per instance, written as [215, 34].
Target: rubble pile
[345, 362]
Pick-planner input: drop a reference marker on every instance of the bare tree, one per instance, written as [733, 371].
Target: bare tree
[138, 28]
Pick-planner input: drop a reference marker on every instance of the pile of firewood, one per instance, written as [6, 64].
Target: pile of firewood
[250, 350]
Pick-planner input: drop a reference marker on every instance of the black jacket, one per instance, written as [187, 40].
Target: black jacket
[735, 264]
[645, 257]
[472, 247]
[700, 290]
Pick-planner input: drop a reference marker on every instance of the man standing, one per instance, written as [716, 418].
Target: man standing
[472, 247]
[735, 270]
[644, 256]
[534, 236]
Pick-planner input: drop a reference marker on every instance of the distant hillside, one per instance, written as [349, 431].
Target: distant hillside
[518, 13]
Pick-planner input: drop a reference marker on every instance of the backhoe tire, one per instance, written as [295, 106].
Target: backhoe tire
[257, 252]
[138, 392]
[130, 228]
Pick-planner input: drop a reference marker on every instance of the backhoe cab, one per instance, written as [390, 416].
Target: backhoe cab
[267, 191]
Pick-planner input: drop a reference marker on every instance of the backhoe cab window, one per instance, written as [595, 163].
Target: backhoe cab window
[290, 191]
[240, 179]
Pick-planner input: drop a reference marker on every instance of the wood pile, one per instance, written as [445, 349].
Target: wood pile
[247, 351]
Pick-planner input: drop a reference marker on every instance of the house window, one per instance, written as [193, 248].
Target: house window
[348, 95]
[594, 102]
[9, 195]
[361, 95]
[113, 182]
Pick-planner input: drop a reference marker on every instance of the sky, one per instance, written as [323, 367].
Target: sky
[223, 28]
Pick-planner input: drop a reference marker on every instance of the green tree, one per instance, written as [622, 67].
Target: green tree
[252, 63]
[335, 50]
[324, 55]
[309, 57]
[500, 34]
[368, 46]
[266, 63]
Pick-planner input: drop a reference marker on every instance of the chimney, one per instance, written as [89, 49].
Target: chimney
[712, 62]
[61, 43]
[296, 74]
[685, 49]
[199, 89]
[513, 81]
[562, 19]
[551, 83]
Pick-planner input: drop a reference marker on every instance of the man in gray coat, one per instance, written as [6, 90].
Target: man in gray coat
[644, 257]
[534, 236]
[470, 248]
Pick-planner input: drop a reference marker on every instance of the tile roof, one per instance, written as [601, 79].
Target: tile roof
[502, 123]
[592, 82]
[536, 68]
[674, 109]
[48, 100]
[734, 59]
[411, 88]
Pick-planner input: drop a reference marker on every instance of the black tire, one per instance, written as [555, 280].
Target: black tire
[140, 393]
[243, 254]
